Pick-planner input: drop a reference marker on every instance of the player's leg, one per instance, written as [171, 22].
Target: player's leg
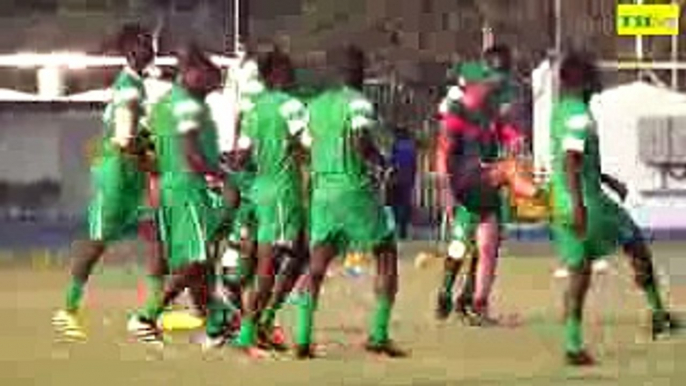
[240, 260]
[324, 244]
[143, 325]
[85, 256]
[258, 296]
[291, 267]
[386, 288]
[110, 213]
[368, 226]
[461, 244]
[575, 298]
[464, 302]
[321, 255]
[641, 259]
[488, 245]
[573, 254]
[150, 233]
[278, 226]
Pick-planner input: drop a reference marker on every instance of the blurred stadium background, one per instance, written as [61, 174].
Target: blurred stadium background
[44, 144]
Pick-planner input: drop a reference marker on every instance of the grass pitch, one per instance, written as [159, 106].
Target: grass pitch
[525, 352]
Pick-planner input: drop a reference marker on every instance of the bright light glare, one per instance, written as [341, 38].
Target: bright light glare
[79, 60]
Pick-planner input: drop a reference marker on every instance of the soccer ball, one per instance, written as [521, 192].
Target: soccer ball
[424, 259]
[355, 264]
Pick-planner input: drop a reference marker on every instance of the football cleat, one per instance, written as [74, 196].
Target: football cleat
[67, 325]
[145, 331]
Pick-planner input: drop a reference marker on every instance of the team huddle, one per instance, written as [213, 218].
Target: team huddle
[299, 186]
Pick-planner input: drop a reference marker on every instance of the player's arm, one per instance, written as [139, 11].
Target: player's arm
[444, 147]
[126, 118]
[147, 159]
[297, 118]
[238, 157]
[188, 116]
[363, 120]
[616, 185]
[450, 102]
[574, 144]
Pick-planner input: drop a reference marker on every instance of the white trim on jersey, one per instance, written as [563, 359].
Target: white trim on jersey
[187, 125]
[123, 126]
[573, 144]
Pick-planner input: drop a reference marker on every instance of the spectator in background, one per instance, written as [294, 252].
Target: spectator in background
[404, 160]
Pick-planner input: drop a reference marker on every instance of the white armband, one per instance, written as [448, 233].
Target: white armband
[123, 126]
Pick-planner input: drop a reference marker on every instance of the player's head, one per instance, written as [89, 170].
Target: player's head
[197, 72]
[579, 75]
[479, 81]
[135, 43]
[347, 64]
[276, 69]
[499, 57]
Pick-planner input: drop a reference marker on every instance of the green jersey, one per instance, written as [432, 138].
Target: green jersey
[336, 117]
[127, 89]
[118, 184]
[608, 224]
[269, 129]
[249, 85]
[173, 116]
[506, 93]
[573, 129]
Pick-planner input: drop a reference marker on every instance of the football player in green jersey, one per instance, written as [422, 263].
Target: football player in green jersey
[191, 185]
[118, 181]
[269, 132]
[345, 208]
[586, 223]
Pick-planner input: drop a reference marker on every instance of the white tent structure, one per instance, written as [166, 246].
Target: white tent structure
[618, 113]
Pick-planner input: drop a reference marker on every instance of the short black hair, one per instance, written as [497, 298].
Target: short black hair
[498, 50]
[347, 63]
[501, 52]
[192, 55]
[577, 70]
[129, 36]
[271, 60]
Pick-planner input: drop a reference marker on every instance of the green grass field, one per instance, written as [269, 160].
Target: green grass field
[442, 353]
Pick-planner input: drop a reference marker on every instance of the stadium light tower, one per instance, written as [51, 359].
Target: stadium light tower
[236, 26]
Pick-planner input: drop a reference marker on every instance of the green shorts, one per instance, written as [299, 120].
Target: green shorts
[349, 219]
[188, 217]
[115, 208]
[244, 222]
[608, 227]
[278, 210]
[462, 238]
[471, 189]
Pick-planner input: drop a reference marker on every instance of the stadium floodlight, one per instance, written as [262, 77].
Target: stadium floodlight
[641, 65]
[77, 60]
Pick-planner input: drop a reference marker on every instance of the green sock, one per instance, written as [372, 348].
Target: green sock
[153, 303]
[448, 282]
[654, 298]
[74, 295]
[382, 318]
[218, 316]
[269, 316]
[306, 308]
[573, 339]
[247, 335]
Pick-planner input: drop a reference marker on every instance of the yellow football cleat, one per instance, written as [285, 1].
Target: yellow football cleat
[180, 321]
[67, 325]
